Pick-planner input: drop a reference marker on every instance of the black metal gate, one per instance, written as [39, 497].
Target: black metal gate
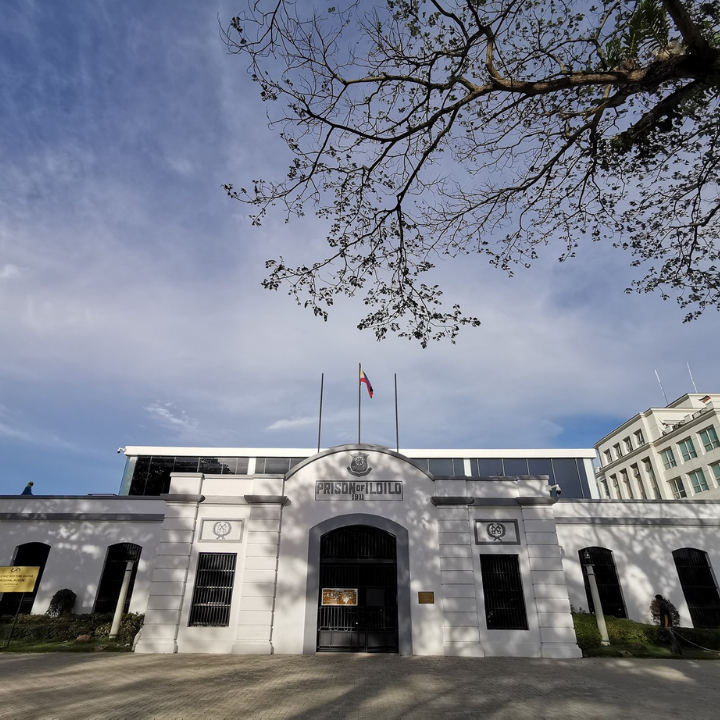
[361, 559]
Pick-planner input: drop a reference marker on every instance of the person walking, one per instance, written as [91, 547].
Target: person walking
[666, 621]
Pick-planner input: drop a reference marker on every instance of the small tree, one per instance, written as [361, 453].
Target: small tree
[62, 603]
[655, 612]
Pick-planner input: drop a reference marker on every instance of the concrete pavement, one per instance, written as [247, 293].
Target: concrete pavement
[378, 687]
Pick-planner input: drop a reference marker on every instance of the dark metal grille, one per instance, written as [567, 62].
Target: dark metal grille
[699, 586]
[113, 576]
[611, 597]
[502, 586]
[358, 542]
[213, 590]
[364, 558]
[33, 554]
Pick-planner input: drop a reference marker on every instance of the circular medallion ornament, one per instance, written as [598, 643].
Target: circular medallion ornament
[222, 528]
[496, 530]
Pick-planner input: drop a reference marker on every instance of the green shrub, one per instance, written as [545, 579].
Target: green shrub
[38, 628]
[626, 632]
[655, 612]
[62, 603]
[705, 637]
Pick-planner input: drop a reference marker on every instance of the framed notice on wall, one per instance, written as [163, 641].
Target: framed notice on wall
[342, 597]
[18, 579]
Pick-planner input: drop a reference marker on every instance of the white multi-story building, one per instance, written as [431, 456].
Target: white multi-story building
[669, 452]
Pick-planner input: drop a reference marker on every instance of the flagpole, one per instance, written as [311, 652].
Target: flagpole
[322, 380]
[359, 398]
[397, 424]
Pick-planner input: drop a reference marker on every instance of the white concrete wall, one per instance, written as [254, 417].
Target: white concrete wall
[79, 531]
[642, 537]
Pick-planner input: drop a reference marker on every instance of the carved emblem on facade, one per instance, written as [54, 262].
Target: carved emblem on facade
[359, 465]
[496, 530]
[222, 529]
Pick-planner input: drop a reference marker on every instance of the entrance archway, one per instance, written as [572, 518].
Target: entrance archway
[357, 600]
[313, 588]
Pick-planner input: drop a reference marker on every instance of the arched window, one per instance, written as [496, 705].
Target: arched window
[113, 574]
[699, 586]
[611, 597]
[34, 554]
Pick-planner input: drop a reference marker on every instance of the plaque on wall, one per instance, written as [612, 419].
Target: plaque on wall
[221, 530]
[359, 490]
[426, 598]
[339, 596]
[497, 532]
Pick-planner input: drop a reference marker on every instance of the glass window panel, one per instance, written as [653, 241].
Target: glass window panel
[709, 439]
[668, 458]
[697, 478]
[210, 466]
[421, 463]
[276, 466]
[490, 467]
[158, 481]
[716, 472]
[295, 461]
[459, 467]
[515, 466]
[259, 466]
[186, 464]
[139, 478]
[242, 466]
[687, 449]
[541, 466]
[441, 466]
[228, 465]
[568, 477]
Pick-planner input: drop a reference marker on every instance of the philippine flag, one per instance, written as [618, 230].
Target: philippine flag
[365, 379]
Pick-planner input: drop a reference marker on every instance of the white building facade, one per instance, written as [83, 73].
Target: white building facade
[670, 453]
[361, 548]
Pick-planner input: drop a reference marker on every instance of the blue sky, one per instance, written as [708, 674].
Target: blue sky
[131, 311]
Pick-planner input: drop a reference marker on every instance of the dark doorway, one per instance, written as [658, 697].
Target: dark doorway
[358, 572]
[32, 554]
[113, 575]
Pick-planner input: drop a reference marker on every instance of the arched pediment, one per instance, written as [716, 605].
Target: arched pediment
[354, 448]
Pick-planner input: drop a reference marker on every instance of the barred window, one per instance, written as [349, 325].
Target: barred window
[213, 590]
[698, 585]
[32, 554]
[611, 596]
[113, 575]
[502, 586]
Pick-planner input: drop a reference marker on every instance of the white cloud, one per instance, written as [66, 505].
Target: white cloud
[166, 414]
[9, 271]
[292, 423]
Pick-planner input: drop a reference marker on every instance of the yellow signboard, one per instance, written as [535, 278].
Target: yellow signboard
[18, 579]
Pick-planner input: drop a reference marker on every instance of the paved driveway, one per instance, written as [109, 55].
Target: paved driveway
[352, 686]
